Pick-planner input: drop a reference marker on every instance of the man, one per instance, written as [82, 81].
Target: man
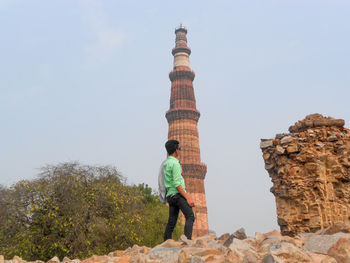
[177, 197]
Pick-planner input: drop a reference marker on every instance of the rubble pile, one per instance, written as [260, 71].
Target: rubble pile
[326, 246]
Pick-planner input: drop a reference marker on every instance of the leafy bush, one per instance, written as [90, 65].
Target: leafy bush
[76, 211]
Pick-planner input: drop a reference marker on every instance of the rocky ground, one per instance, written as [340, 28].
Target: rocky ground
[331, 245]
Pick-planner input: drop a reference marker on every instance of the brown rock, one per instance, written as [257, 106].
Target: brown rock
[336, 228]
[242, 248]
[124, 259]
[341, 250]
[272, 233]
[211, 259]
[117, 253]
[187, 252]
[280, 150]
[142, 258]
[66, 260]
[231, 256]
[293, 148]
[259, 237]
[17, 259]
[240, 234]
[252, 241]
[96, 259]
[319, 258]
[54, 260]
[169, 243]
[224, 237]
[136, 250]
[266, 156]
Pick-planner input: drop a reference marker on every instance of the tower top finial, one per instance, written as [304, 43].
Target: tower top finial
[181, 28]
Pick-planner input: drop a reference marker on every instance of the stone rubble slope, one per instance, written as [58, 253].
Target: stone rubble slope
[326, 246]
[310, 171]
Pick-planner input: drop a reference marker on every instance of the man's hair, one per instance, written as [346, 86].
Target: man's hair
[171, 146]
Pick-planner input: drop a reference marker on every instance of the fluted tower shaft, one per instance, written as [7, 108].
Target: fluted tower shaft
[183, 117]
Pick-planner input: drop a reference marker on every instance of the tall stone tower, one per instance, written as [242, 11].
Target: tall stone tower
[183, 118]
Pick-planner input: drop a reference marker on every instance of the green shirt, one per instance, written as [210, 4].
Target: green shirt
[172, 176]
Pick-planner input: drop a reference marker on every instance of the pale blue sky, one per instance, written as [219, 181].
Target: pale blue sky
[88, 81]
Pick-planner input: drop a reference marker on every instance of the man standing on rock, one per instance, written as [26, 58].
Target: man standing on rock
[176, 195]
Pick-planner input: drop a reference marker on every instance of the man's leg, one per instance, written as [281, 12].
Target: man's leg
[188, 213]
[173, 216]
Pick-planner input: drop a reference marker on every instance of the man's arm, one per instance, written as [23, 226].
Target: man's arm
[177, 177]
[185, 195]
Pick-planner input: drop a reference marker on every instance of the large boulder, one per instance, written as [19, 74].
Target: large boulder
[289, 253]
[322, 243]
[341, 250]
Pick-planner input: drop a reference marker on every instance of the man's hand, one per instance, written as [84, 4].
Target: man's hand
[185, 195]
[190, 201]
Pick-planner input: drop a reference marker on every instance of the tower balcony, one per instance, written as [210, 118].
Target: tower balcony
[181, 114]
[181, 48]
[181, 72]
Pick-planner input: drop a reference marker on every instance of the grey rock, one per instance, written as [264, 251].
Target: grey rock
[250, 257]
[280, 149]
[241, 248]
[322, 243]
[306, 234]
[185, 240]
[240, 233]
[281, 135]
[332, 138]
[224, 237]
[217, 246]
[66, 259]
[212, 232]
[288, 250]
[271, 259]
[55, 259]
[287, 139]
[319, 144]
[228, 241]
[269, 166]
[265, 144]
[196, 259]
[169, 255]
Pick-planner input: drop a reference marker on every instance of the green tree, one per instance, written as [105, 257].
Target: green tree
[76, 211]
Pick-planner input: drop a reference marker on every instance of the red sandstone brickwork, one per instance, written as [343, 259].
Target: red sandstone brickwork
[310, 171]
[183, 118]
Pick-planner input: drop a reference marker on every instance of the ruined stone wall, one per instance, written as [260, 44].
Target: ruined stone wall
[310, 171]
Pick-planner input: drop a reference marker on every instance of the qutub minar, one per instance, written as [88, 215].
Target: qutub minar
[183, 118]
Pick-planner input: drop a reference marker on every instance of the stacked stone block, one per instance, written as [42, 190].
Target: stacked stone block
[310, 171]
[183, 117]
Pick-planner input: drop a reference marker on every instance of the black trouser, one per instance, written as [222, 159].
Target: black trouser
[178, 202]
